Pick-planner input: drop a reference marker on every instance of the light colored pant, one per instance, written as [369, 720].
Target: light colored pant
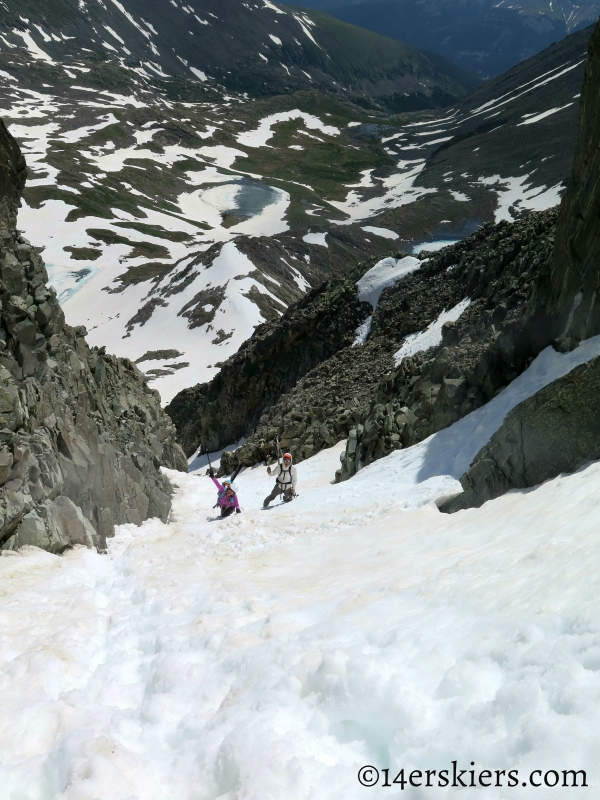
[288, 495]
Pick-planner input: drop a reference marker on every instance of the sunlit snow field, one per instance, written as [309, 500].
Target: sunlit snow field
[272, 654]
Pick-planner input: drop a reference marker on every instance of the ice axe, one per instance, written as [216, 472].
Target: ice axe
[207, 454]
[236, 472]
[238, 469]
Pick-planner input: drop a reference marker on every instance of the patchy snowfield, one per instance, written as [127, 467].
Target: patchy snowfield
[273, 654]
[136, 197]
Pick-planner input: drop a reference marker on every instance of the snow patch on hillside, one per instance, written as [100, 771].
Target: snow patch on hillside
[384, 274]
[526, 88]
[316, 238]
[518, 194]
[385, 233]
[432, 335]
[261, 135]
[34, 49]
[362, 332]
[398, 189]
[532, 118]
[234, 321]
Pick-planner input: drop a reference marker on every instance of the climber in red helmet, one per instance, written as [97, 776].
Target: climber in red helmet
[285, 483]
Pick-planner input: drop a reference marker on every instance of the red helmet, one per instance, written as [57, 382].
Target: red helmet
[288, 455]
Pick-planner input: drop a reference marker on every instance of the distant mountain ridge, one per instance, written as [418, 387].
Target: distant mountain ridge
[486, 37]
[254, 49]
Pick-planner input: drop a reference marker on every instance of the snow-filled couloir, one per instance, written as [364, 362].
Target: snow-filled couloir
[274, 653]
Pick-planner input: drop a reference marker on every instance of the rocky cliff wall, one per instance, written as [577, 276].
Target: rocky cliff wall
[300, 377]
[557, 430]
[575, 305]
[13, 171]
[82, 436]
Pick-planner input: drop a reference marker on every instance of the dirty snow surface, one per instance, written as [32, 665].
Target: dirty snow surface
[272, 654]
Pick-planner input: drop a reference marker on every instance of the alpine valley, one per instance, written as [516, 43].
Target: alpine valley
[189, 182]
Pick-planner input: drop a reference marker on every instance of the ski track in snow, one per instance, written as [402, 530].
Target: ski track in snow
[272, 654]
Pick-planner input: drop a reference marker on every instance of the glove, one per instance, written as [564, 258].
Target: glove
[268, 470]
[211, 472]
[238, 511]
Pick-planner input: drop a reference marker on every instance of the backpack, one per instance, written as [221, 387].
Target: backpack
[280, 476]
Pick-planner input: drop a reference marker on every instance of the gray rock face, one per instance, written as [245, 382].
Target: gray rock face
[82, 436]
[13, 171]
[358, 392]
[557, 430]
[575, 282]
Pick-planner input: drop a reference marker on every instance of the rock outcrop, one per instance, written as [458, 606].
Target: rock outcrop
[503, 271]
[575, 304]
[13, 172]
[301, 379]
[557, 430]
[82, 436]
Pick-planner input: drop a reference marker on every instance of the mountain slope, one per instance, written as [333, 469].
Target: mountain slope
[257, 48]
[442, 340]
[555, 430]
[483, 36]
[174, 227]
[504, 150]
[469, 314]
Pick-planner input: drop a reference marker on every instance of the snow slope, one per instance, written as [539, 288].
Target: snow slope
[273, 654]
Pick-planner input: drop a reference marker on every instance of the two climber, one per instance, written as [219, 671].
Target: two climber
[285, 484]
